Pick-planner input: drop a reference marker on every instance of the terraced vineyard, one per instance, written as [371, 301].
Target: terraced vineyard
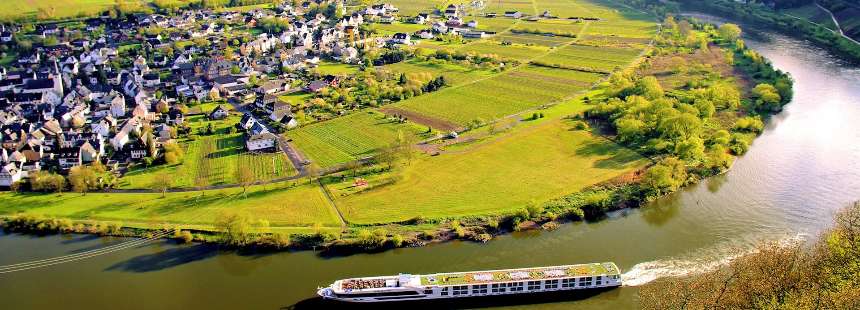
[522, 89]
[454, 74]
[515, 52]
[213, 161]
[348, 138]
[599, 58]
[532, 39]
[557, 26]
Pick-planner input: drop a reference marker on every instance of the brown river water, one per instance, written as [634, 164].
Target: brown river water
[797, 174]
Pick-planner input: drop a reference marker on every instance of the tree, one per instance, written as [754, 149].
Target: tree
[680, 127]
[312, 172]
[767, 97]
[404, 145]
[649, 87]
[150, 144]
[82, 179]
[730, 32]
[678, 64]
[664, 177]
[200, 182]
[234, 226]
[388, 155]
[173, 153]
[245, 177]
[161, 183]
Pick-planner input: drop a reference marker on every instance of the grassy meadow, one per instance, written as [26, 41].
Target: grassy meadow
[538, 161]
[10, 9]
[302, 205]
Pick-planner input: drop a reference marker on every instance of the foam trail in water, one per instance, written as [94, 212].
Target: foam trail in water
[702, 261]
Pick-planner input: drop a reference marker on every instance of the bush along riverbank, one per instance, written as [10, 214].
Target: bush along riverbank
[766, 17]
[696, 101]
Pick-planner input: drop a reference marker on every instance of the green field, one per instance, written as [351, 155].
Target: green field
[532, 39]
[600, 58]
[538, 162]
[523, 89]
[390, 29]
[295, 97]
[514, 52]
[496, 24]
[336, 68]
[454, 74]
[300, 206]
[348, 138]
[62, 8]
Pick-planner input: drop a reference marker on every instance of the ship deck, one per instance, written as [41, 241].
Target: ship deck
[523, 274]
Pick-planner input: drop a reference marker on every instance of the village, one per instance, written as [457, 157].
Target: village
[116, 91]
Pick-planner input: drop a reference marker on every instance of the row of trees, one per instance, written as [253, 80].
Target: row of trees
[81, 179]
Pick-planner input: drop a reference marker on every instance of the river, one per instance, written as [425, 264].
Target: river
[803, 168]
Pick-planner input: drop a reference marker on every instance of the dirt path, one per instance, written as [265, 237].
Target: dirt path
[836, 21]
[331, 202]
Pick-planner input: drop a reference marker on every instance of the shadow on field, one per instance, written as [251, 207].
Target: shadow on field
[464, 303]
[619, 157]
[169, 258]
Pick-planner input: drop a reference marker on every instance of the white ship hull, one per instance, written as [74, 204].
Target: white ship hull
[451, 286]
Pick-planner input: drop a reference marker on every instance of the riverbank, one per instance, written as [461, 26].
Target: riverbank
[760, 16]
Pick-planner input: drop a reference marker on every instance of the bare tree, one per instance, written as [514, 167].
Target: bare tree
[312, 171]
[200, 182]
[162, 183]
[245, 177]
[82, 179]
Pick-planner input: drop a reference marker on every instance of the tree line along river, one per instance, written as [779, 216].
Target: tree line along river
[803, 168]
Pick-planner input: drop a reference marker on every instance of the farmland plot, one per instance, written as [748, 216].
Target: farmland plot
[500, 96]
[598, 58]
[532, 39]
[454, 74]
[348, 138]
[505, 51]
[557, 26]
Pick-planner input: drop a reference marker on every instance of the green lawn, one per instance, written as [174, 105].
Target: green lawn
[539, 162]
[336, 68]
[296, 97]
[300, 206]
[390, 29]
[348, 138]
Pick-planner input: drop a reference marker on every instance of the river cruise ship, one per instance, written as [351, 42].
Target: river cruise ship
[408, 287]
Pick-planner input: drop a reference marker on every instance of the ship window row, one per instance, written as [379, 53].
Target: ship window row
[479, 289]
[460, 290]
[521, 286]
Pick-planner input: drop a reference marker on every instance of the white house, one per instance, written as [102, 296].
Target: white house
[9, 174]
[262, 142]
[513, 14]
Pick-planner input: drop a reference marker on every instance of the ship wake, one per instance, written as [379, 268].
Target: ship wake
[697, 263]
